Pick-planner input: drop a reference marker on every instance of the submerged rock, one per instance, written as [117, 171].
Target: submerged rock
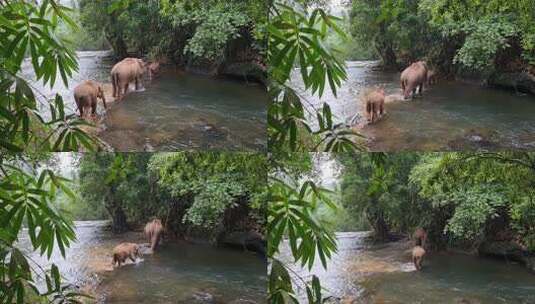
[201, 297]
[250, 240]
[508, 250]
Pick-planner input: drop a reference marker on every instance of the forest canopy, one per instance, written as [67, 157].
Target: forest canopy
[211, 192]
[185, 31]
[474, 35]
[463, 199]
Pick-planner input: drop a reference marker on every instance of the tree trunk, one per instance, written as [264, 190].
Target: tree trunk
[119, 224]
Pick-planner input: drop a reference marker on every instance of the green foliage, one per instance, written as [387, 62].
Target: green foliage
[27, 28]
[471, 34]
[298, 37]
[26, 196]
[292, 212]
[463, 198]
[181, 30]
[216, 182]
[189, 189]
[376, 186]
[479, 188]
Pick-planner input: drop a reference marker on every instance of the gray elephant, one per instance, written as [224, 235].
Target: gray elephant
[86, 95]
[124, 72]
[153, 232]
[414, 77]
[432, 77]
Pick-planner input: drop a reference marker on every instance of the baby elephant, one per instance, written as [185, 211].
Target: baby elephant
[124, 251]
[153, 69]
[86, 94]
[420, 237]
[154, 231]
[418, 254]
[375, 103]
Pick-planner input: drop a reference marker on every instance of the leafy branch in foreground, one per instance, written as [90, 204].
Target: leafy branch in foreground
[291, 213]
[28, 28]
[26, 198]
[298, 38]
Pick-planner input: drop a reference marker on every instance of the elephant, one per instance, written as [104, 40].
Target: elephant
[126, 71]
[432, 77]
[420, 237]
[414, 77]
[124, 251]
[86, 95]
[375, 102]
[418, 254]
[153, 69]
[154, 231]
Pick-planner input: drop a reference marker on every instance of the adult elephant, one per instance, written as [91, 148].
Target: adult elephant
[86, 96]
[153, 232]
[125, 72]
[413, 78]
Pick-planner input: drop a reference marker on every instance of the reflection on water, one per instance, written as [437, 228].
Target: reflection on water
[178, 273]
[176, 111]
[368, 273]
[450, 115]
[179, 111]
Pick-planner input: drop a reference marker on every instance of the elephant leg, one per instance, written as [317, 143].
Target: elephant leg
[132, 258]
[114, 85]
[414, 91]
[382, 109]
[137, 83]
[421, 88]
[126, 88]
[94, 106]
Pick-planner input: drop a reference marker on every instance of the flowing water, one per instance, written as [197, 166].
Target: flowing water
[450, 115]
[364, 273]
[178, 273]
[175, 111]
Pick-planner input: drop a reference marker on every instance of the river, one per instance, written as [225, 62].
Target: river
[178, 273]
[451, 115]
[361, 272]
[176, 111]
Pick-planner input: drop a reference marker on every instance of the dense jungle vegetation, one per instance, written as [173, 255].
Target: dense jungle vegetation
[208, 193]
[478, 202]
[208, 35]
[481, 39]
[198, 195]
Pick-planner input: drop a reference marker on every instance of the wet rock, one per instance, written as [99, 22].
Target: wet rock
[248, 240]
[242, 301]
[509, 250]
[519, 82]
[474, 140]
[201, 297]
[466, 301]
[249, 71]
